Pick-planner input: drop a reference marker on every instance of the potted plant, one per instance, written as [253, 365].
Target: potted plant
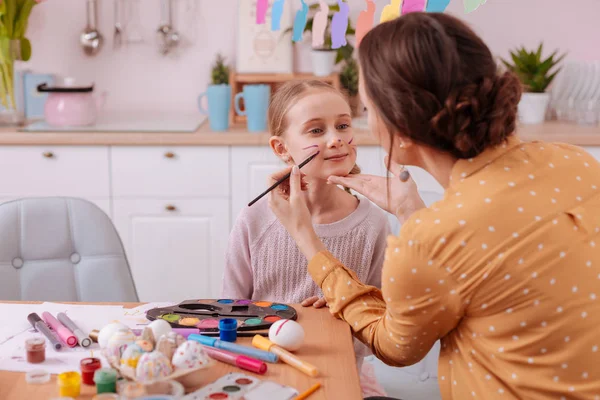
[219, 96]
[349, 81]
[325, 58]
[14, 46]
[535, 75]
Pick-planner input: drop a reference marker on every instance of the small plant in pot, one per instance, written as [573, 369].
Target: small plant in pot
[219, 96]
[535, 75]
[325, 58]
[349, 82]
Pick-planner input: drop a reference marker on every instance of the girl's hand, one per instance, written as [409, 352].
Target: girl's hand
[289, 206]
[314, 301]
[403, 198]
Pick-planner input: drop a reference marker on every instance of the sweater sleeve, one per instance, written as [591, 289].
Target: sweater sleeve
[237, 278]
[419, 302]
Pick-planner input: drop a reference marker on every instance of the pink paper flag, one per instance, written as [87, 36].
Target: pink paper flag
[365, 21]
[261, 11]
[413, 6]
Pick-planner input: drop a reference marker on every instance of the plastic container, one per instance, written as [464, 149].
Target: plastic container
[172, 388]
[69, 384]
[129, 390]
[36, 350]
[228, 329]
[88, 368]
[37, 377]
[106, 396]
[105, 380]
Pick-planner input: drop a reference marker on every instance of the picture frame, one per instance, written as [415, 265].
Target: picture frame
[259, 49]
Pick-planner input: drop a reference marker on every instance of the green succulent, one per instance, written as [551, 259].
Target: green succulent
[533, 72]
[220, 71]
[344, 52]
[349, 77]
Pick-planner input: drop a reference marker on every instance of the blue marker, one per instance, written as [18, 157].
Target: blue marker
[276, 12]
[235, 348]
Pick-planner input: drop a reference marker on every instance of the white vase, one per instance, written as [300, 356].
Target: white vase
[532, 107]
[323, 62]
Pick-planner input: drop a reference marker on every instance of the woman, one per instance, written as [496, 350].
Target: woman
[505, 269]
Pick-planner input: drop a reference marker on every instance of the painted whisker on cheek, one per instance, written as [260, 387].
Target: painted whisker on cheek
[350, 141]
[310, 147]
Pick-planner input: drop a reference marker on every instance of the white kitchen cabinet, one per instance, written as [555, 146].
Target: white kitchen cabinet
[176, 248]
[251, 167]
[79, 171]
[170, 172]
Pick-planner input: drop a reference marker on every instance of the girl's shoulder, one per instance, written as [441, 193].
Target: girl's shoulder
[256, 220]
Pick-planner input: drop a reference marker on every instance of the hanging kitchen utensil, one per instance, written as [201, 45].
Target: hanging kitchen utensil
[91, 40]
[118, 33]
[168, 37]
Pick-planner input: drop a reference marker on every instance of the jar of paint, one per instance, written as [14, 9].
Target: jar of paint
[106, 380]
[36, 350]
[228, 329]
[69, 384]
[88, 368]
[172, 388]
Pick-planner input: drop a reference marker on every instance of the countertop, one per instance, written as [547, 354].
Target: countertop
[239, 136]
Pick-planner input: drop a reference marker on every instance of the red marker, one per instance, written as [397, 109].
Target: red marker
[243, 362]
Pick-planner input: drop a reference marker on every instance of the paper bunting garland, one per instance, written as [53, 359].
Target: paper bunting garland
[339, 22]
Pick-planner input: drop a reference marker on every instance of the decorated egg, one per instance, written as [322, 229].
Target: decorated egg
[153, 365]
[107, 331]
[176, 338]
[131, 355]
[146, 345]
[287, 334]
[190, 355]
[118, 342]
[159, 328]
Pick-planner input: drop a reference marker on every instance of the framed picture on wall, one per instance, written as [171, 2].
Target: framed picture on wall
[260, 49]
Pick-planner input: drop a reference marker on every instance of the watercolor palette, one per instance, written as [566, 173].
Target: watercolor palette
[205, 314]
[236, 386]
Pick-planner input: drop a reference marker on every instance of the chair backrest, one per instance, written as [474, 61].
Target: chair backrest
[61, 249]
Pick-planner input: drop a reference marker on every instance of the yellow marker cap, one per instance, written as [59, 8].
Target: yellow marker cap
[261, 342]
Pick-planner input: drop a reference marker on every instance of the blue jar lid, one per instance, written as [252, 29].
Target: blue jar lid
[228, 324]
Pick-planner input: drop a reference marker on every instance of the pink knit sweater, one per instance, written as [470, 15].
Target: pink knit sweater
[264, 263]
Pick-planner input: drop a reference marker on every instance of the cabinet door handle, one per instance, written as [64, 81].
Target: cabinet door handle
[48, 154]
[170, 207]
[169, 154]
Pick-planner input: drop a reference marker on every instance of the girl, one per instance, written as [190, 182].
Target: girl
[263, 261]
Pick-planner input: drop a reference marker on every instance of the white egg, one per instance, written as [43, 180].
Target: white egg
[105, 333]
[159, 328]
[287, 334]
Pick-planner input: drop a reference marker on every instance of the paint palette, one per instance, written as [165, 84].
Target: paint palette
[236, 386]
[205, 314]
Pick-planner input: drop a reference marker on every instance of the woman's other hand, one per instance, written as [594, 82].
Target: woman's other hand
[403, 198]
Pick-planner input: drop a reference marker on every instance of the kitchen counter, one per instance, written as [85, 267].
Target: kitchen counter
[239, 136]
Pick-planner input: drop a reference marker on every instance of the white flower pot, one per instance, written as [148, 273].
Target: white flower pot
[323, 62]
[532, 107]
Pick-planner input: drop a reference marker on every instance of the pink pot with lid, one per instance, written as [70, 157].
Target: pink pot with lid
[69, 104]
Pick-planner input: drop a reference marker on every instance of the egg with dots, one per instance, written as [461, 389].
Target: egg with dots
[287, 334]
[118, 342]
[153, 366]
[190, 355]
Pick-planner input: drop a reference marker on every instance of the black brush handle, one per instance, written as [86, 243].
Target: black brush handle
[283, 179]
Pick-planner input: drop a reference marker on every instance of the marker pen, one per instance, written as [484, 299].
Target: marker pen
[63, 333]
[38, 324]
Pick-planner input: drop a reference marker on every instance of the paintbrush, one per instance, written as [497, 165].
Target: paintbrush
[283, 179]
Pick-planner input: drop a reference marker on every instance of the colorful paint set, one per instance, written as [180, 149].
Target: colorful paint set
[235, 386]
[206, 314]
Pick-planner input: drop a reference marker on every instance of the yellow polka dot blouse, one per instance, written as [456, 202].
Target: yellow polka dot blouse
[505, 270]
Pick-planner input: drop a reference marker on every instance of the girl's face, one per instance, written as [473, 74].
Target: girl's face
[319, 121]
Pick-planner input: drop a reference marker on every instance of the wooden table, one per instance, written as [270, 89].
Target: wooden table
[328, 346]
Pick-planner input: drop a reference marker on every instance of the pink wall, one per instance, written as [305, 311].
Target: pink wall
[138, 78]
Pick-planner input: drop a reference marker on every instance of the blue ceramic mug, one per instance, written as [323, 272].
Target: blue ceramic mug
[256, 104]
[219, 101]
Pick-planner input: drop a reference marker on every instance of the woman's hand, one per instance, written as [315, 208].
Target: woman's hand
[314, 301]
[289, 206]
[403, 197]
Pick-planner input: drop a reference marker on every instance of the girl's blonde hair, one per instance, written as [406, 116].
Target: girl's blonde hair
[286, 96]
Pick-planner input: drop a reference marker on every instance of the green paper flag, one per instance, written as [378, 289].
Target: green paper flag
[472, 5]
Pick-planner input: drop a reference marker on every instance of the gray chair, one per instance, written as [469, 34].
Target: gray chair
[61, 249]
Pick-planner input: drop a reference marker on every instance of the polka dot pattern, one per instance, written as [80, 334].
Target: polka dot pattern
[505, 270]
